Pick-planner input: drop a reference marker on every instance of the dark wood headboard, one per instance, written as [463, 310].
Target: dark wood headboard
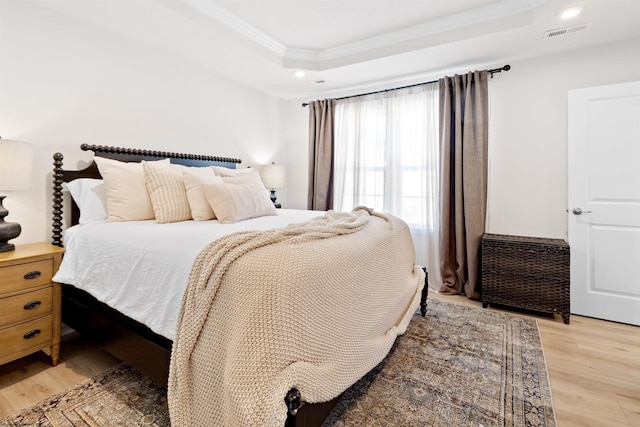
[116, 153]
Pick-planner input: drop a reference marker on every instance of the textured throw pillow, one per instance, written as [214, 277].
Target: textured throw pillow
[167, 192]
[244, 177]
[193, 179]
[127, 196]
[91, 198]
[233, 202]
[224, 172]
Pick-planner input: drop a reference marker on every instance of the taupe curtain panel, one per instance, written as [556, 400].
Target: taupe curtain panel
[321, 146]
[464, 142]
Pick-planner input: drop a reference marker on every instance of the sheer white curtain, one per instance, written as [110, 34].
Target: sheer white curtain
[387, 158]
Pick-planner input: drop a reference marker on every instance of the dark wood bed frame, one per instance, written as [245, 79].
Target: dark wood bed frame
[127, 339]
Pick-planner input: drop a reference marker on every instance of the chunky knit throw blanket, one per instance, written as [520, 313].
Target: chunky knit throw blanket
[313, 306]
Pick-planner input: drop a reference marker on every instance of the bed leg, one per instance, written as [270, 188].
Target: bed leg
[294, 402]
[425, 292]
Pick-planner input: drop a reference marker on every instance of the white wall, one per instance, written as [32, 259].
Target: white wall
[527, 132]
[296, 137]
[64, 83]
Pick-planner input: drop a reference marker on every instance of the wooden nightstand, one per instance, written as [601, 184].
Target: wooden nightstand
[29, 301]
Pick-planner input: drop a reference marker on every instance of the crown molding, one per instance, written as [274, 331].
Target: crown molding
[218, 13]
[490, 12]
[411, 38]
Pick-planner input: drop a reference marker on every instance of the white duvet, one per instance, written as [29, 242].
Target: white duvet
[141, 268]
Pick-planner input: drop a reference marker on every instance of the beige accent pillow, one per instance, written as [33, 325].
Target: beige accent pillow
[166, 191]
[193, 179]
[233, 202]
[224, 172]
[127, 196]
[245, 177]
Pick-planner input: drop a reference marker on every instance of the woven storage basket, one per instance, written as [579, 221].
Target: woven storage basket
[526, 272]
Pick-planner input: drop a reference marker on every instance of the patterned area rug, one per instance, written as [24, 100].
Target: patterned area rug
[458, 366]
[120, 396]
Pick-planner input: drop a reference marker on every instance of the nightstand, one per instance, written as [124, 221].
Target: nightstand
[29, 301]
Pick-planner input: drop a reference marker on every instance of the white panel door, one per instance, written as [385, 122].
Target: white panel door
[604, 202]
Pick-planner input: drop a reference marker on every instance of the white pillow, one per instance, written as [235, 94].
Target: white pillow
[127, 196]
[166, 192]
[91, 198]
[223, 171]
[193, 179]
[233, 202]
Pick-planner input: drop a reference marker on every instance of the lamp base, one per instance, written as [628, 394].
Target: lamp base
[274, 198]
[8, 230]
[7, 247]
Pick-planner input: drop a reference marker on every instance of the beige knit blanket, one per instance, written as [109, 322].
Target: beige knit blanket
[313, 306]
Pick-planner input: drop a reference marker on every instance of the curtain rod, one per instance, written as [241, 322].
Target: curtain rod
[492, 72]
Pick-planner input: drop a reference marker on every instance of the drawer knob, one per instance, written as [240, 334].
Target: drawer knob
[32, 275]
[31, 305]
[31, 334]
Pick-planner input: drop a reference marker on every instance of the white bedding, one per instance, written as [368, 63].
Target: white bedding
[141, 268]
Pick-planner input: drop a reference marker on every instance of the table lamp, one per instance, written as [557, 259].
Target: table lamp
[16, 162]
[273, 176]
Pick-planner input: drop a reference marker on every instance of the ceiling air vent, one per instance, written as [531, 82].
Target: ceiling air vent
[567, 30]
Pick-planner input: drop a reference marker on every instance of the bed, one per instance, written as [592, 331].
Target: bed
[144, 341]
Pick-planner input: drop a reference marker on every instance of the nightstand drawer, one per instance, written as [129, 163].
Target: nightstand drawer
[34, 334]
[21, 276]
[23, 307]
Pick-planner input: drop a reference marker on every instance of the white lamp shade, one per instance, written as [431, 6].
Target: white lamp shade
[273, 176]
[16, 165]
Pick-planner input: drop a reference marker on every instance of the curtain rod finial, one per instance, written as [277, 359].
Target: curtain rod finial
[499, 70]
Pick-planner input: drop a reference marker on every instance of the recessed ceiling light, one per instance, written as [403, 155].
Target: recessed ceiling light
[570, 13]
[299, 74]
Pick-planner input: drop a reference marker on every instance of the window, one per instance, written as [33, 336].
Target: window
[387, 158]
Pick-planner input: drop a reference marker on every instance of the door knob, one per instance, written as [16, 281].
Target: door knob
[578, 211]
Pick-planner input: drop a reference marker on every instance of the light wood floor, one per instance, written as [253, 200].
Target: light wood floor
[594, 369]
[31, 379]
